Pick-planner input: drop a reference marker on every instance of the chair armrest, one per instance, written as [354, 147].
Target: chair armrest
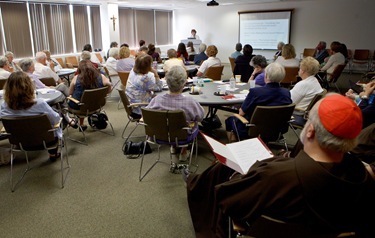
[56, 126]
[73, 100]
[241, 118]
[138, 104]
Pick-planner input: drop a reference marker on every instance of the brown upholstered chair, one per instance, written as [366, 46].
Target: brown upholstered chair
[92, 101]
[48, 81]
[71, 61]
[232, 64]
[360, 57]
[291, 74]
[61, 62]
[33, 133]
[308, 52]
[164, 127]
[124, 79]
[132, 117]
[214, 72]
[264, 125]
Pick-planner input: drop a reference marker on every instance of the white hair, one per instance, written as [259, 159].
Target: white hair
[275, 72]
[40, 55]
[176, 78]
[85, 55]
[114, 51]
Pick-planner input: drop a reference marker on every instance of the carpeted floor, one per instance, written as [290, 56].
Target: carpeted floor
[102, 195]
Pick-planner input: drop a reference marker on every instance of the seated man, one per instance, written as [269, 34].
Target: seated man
[319, 189]
[4, 68]
[269, 95]
[52, 62]
[321, 52]
[27, 65]
[42, 70]
[13, 66]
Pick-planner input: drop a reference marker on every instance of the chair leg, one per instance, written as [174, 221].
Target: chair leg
[84, 141]
[194, 146]
[63, 144]
[13, 186]
[152, 166]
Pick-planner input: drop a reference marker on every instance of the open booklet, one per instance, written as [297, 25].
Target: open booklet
[239, 156]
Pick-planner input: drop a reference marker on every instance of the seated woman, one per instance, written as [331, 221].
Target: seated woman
[190, 48]
[152, 52]
[242, 62]
[88, 78]
[288, 57]
[125, 63]
[112, 60]
[182, 52]
[272, 94]
[335, 59]
[172, 60]
[259, 63]
[211, 61]
[142, 81]
[305, 90]
[19, 100]
[174, 100]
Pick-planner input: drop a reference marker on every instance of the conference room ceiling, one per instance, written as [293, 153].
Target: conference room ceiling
[166, 4]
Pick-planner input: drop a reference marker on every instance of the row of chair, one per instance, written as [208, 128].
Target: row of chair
[72, 61]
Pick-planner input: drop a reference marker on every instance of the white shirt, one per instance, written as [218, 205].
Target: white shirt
[57, 65]
[94, 58]
[333, 61]
[287, 62]
[168, 64]
[211, 61]
[4, 74]
[42, 71]
[304, 91]
[111, 66]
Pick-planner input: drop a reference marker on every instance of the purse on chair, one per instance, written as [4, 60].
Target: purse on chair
[133, 150]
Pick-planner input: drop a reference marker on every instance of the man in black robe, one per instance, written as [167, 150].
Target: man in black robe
[319, 190]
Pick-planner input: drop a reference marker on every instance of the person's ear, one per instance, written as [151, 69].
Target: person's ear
[310, 132]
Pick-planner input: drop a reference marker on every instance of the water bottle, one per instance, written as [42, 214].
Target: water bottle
[232, 83]
[200, 82]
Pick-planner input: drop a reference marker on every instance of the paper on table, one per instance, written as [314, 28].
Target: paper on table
[240, 156]
[45, 90]
[237, 96]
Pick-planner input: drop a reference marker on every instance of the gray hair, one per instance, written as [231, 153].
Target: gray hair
[85, 55]
[40, 55]
[325, 138]
[8, 53]
[3, 61]
[259, 60]
[275, 72]
[280, 45]
[172, 53]
[202, 47]
[25, 64]
[176, 78]
[114, 51]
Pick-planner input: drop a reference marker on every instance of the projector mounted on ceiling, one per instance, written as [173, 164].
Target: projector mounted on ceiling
[213, 3]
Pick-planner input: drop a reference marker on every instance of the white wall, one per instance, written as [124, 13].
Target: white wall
[347, 21]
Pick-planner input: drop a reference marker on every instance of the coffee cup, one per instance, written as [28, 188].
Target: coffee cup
[223, 89]
[238, 78]
[195, 90]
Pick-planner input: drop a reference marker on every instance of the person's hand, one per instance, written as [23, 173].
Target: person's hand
[369, 88]
[350, 94]
[257, 70]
